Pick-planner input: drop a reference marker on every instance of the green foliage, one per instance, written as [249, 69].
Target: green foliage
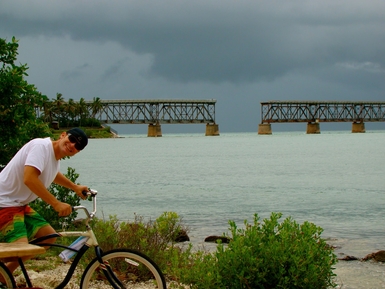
[266, 255]
[18, 122]
[62, 194]
[169, 225]
[154, 239]
[195, 268]
[71, 113]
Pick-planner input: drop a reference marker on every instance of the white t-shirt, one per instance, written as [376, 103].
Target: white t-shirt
[37, 153]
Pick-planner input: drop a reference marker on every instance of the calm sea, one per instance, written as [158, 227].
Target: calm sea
[334, 179]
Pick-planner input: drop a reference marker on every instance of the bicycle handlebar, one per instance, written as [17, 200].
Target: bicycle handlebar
[91, 193]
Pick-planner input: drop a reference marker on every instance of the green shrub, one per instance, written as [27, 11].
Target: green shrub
[155, 239]
[266, 255]
[169, 226]
[62, 194]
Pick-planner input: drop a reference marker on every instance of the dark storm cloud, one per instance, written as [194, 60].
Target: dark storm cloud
[75, 73]
[238, 52]
[114, 70]
[218, 41]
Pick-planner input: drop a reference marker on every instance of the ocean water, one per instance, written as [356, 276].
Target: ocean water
[334, 179]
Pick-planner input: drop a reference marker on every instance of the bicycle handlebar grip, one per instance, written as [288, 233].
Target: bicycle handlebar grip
[90, 192]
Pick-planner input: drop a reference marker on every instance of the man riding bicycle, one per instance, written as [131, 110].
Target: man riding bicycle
[26, 177]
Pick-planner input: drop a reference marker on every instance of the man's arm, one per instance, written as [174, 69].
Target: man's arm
[61, 180]
[32, 181]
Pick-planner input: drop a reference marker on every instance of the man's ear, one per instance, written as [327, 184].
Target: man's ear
[63, 135]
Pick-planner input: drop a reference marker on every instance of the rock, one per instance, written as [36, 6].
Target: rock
[378, 256]
[182, 236]
[215, 239]
[348, 258]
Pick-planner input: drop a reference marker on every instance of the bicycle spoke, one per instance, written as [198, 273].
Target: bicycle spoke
[126, 268]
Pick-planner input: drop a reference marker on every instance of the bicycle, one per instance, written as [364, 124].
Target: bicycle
[117, 268]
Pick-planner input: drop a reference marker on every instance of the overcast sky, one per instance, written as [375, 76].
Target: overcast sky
[238, 52]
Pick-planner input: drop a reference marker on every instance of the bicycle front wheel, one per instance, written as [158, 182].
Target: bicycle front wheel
[127, 268]
[6, 278]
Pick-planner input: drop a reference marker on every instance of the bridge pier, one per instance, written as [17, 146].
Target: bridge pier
[313, 128]
[212, 129]
[154, 130]
[358, 127]
[264, 128]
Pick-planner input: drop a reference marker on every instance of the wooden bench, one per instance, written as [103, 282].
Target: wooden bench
[10, 251]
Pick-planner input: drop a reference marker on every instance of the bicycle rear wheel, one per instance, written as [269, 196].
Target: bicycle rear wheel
[6, 278]
[128, 268]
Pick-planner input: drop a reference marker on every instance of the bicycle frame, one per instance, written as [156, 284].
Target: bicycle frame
[79, 253]
[91, 242]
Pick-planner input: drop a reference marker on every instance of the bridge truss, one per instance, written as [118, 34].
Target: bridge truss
[156, 111]
[322, 111]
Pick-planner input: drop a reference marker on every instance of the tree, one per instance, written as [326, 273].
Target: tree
[96, 106]
[70, 109]
[82, 110]
[18, 101]
[47, 111]
[58, 106]
[18, 120]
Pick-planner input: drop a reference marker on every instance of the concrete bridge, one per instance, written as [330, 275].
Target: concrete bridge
[157, 112]
[315, 112]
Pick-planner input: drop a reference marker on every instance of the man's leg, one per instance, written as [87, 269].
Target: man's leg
[42, 232]
[28, 224]
[14, 264]
[13, 228]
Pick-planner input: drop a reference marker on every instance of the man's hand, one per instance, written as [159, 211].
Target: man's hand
[63, 209]
[79, 191]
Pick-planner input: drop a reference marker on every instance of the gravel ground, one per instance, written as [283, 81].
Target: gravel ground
[49, 279]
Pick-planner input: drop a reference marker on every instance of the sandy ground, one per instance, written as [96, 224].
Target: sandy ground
[360, 275]
[350, 275]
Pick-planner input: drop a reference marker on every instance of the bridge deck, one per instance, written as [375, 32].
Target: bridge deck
[156, 111]
[322, 111]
